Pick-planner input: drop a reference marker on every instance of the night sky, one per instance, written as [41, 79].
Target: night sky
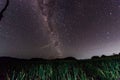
[60, 28]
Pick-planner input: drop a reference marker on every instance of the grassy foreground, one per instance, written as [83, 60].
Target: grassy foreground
[65, 69]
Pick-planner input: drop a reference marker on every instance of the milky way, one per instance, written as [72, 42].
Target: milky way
[46, 10]
[60, 28]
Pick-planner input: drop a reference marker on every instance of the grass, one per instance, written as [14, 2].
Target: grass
[94, 69]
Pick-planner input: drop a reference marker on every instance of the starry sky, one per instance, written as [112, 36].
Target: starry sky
[60, 28]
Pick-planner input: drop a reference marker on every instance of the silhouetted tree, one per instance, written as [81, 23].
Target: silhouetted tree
[3, 10]
[103, 56]
[69, 58]
[119, 53]
[114, 54]
[95, 57]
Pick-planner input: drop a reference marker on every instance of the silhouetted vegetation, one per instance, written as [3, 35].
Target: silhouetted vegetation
[95, 57]
[97, 68]
[4, 9]
[103, 56]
